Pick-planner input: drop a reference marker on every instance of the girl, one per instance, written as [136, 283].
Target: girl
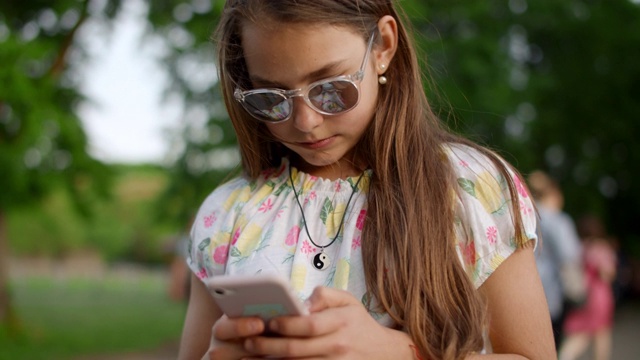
[406, 241]
[592, 322]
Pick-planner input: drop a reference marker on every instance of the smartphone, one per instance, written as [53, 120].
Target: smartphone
[263, 295]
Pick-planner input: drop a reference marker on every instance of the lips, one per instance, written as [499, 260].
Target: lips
[317, 144]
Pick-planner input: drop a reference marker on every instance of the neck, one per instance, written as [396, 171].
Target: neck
[338, 170]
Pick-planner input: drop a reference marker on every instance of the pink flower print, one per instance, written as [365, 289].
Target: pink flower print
[307, 248]
[221, 253]
[520, 187]
[292, 236]
[492, 234]
[338, 186]
[525, 209]
[356, 243]
[463, 163]
[469, 254]
[266, 173]
[279, 213]
[236, 235]
[266, 206]
[202, 274]
[361, 217]
[312, 195]
[280, 170]
[209, 220]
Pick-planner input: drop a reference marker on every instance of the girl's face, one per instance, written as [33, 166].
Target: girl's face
[292, 56]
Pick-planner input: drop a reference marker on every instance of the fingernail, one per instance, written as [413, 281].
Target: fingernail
[256, 326]
[273, 325]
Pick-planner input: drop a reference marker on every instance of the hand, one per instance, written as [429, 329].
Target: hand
[228, 336]
[338, 327]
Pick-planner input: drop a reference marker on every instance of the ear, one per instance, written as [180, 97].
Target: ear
[386, 46]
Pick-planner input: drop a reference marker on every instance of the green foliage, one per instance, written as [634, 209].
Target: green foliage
[42, 142]
[121, 228]
[208, 153]
[64, 319]
[552, 85]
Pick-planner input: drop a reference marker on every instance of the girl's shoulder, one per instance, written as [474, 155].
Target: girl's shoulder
[238, 190]
[484, 209]
[217, 218]
[470, 161]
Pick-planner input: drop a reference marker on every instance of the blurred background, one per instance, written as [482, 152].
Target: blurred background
[112, 131]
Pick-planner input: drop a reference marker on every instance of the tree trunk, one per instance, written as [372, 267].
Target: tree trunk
[8, 319]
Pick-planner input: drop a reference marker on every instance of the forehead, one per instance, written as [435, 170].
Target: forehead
[287, 52]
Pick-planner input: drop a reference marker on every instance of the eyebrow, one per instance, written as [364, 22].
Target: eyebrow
[325, 71]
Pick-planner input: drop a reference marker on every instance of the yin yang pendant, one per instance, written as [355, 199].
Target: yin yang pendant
[321, 261]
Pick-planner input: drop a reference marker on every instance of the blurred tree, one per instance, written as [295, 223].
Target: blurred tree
[42, 142]
[204, 148]
[554, 85]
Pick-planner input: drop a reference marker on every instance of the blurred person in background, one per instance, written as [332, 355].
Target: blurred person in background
[179, 274]
[559, 257]
[593, 321]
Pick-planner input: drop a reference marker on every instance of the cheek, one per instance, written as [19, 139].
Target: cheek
[277, 131]
[368, 101]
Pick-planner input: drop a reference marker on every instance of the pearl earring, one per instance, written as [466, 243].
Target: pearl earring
[382, 79]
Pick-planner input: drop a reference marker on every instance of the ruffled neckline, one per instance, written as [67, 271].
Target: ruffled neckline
[305, 180]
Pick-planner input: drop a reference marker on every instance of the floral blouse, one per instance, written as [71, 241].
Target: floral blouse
[256, 226]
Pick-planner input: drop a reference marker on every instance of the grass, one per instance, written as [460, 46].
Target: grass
[63, 319]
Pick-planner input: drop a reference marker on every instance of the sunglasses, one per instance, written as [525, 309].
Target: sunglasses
[332, 96]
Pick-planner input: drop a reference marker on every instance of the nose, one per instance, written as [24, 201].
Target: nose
[305, 118]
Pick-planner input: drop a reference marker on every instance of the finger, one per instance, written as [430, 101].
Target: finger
[232, 350]
[297, 348]
[317, 324]
[230, 329]
[323, 298]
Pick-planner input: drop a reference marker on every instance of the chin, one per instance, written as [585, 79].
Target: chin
[320, 161]
[328, 165]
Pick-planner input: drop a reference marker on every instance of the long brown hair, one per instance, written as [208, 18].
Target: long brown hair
[411, 265]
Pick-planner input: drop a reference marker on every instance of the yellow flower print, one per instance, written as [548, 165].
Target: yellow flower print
[488, 192]
[333, 220]
[307, 185]
[298, 276]
[222, 237]
[341, 279]
[248, 239]
[240, 195]
[307, 182]
[496, 260]
[265, 190]
[363, 186]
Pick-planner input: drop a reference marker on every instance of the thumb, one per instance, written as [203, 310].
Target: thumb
[324, 298]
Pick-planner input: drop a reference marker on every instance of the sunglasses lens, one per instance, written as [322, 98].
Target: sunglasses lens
[334, 97]
[267, 106]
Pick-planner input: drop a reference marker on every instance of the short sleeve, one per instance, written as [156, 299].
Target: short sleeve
[484, 221]
[211, 233]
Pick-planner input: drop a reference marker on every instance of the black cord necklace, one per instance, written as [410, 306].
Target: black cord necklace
[321, 261]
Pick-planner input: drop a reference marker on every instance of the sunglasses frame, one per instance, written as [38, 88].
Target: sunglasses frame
[288, 95]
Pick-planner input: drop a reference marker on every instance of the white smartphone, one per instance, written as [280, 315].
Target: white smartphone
[265, 296]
